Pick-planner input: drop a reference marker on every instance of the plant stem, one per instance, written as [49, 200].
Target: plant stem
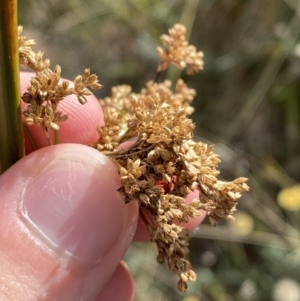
[11, 134]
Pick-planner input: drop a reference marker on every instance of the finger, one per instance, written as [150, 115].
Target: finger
[81, 126]
[64, 227]
[119, 287]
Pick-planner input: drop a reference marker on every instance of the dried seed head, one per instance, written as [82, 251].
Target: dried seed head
[46, 89]
[161, 167]
[179, 52]
[163, 164]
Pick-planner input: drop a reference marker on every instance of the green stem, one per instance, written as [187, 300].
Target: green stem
[30, 137]
[11, 135]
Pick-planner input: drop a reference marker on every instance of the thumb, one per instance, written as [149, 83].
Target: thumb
[63, 226]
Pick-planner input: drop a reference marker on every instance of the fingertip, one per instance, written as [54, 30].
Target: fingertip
[119, 287]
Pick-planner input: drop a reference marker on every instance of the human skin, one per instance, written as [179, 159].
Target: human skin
[63, 227]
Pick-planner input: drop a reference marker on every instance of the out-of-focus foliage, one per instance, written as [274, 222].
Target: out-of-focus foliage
[289, 198]
[248, 104]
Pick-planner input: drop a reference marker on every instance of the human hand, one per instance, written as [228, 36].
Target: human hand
[63, 227]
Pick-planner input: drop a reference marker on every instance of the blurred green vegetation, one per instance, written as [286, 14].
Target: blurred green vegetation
[248, 104]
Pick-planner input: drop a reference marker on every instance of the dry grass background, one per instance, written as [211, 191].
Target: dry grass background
[248, 104]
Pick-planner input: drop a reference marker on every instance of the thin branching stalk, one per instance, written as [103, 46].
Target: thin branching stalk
[11, 135]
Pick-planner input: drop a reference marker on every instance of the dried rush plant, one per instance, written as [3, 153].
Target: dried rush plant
[163, 164]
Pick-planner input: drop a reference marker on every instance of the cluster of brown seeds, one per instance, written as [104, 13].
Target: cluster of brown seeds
[161, 168]
[46, 89]
[118, 108]
[160, 164]
[163, 164]
[179, 52]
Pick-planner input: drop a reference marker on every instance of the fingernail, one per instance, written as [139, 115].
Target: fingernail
[73, 203]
